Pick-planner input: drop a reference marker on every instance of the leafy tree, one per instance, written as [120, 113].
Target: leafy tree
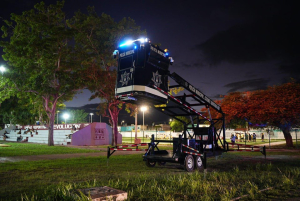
[77, 116]
[15, 110]
[97, 37]
[41, 57]
[276, 106]
[178, 126]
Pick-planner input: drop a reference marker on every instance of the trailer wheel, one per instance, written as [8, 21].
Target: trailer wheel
[189, 163]
[198, 163]
[161, 163]
[150, 163]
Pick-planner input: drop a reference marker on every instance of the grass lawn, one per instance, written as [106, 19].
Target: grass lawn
[26, 149]
[229, 176]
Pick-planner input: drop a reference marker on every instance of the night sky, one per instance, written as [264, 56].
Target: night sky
[218, 46]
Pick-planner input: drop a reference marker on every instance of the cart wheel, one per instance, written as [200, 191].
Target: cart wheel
[198, 163]
[161, 163]
[150, 163]
[189, 163]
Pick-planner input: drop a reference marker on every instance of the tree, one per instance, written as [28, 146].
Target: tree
[77, 116]
[41, 57]
[178, 126]
[15, 110]
[276, 106]
[97, 37]
[235, 106]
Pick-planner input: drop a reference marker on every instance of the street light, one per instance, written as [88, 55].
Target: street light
[2, 69]
[143, 109]
[66, 116]
[91, 117]
[57, 115]
[122, 123]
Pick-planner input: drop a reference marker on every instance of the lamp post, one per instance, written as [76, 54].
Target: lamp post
[66, 116]
[2, 69]
[57, 116]
[122, 123]
[143, 109]
[91, 117]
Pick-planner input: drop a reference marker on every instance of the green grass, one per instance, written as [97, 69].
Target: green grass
[145, 140]
[26, 149]
[228, 177]
[231, 175]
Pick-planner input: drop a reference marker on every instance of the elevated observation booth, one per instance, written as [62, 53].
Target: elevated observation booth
[140, 66]
[143, 75]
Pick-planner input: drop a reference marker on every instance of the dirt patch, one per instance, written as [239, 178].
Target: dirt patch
[4, 145]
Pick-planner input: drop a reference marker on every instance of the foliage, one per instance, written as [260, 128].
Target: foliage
[97, 37]
[42, 58]
[276, 106]
[77, 116]
[176, 125]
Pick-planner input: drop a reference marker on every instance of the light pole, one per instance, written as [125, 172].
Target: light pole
[143, 109]
[91, 117]
[122, 123]
[66, 116]
[57, 116]
[2, 69]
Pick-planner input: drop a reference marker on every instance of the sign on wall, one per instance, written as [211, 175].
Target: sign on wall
[99, 134]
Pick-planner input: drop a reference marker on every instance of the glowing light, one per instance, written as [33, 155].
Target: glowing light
[66, 116]
[144, 108]
[2, 69]
[167, 53]
[135, 47]
[143, 40]
[129, 42]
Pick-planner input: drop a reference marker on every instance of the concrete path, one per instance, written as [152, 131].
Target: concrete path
[272, 143]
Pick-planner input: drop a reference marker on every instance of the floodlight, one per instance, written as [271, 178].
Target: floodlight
[129, 42]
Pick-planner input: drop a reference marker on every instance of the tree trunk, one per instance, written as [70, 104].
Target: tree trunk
[51, 126]
[115, 131]
[287, 136]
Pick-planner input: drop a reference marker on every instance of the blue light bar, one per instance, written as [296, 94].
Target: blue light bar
[129, 42]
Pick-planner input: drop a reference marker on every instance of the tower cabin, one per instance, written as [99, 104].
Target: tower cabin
[140, 66]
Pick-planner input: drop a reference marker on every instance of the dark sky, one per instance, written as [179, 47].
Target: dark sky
[219, 46]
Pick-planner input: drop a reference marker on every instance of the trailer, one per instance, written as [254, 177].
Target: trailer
[143, 77]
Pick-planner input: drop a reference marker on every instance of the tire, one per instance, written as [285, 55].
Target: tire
[198, 163]
[189, 163]
[150, 163]
[161, 163]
